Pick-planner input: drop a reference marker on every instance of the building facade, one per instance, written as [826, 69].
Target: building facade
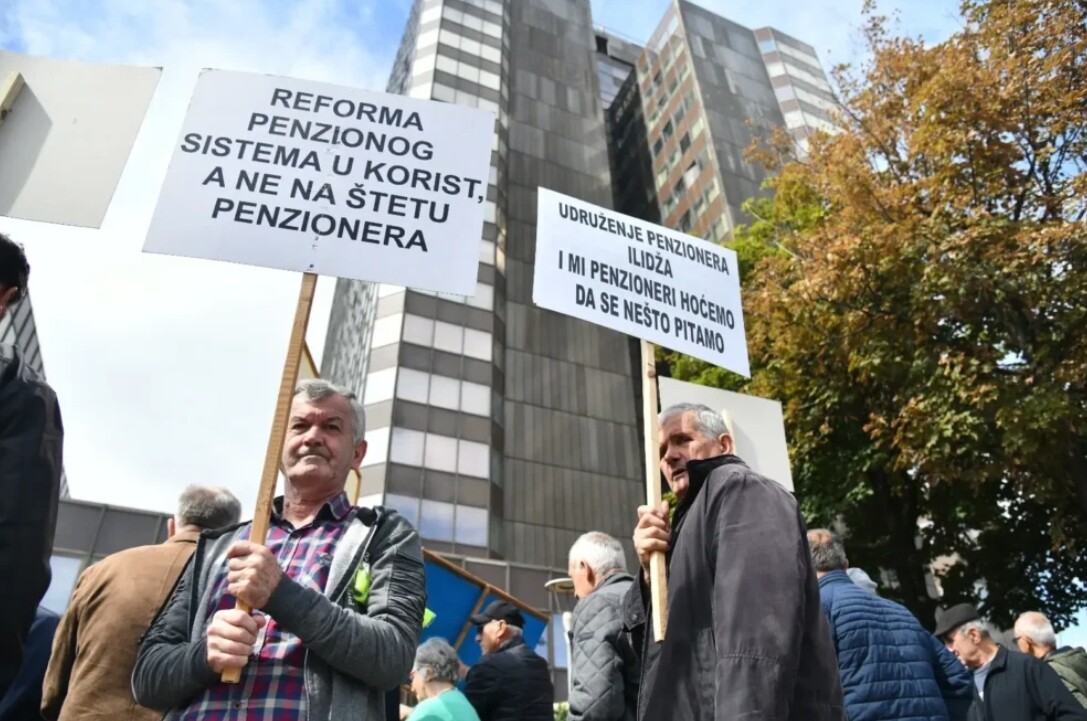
[17, 329]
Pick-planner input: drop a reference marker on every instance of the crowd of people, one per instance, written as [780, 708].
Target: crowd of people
[767, 620]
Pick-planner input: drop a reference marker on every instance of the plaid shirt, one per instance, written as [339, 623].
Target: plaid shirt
[273, 684]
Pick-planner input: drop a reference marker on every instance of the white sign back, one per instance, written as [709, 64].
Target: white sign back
[639, 278]
[320, 178]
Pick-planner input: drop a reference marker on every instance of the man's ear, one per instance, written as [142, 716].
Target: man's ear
[728, 447]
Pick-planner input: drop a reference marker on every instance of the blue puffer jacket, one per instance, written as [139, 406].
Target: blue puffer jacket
[892, 668]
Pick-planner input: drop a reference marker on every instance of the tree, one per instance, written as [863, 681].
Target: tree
[920, 309]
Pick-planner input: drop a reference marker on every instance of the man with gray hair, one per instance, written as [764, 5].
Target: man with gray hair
[1007, 686]
[603, 664]
[338, 594]
[746, 636]
[1035, 636]
[95, 646]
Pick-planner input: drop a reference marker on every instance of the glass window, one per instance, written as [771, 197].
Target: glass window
[472, 525]
[430, 37]
[406, 506]
[377, 446]
[407, 447]
[441, 453]
[65, 574]
[492, 29]
[684, 142]
[767, 45]
[489, 80]
[446, 65]
[412, 385]
[484, 297]
[472, 47]
[486, 250]
[477, 344]
[448, 337]
[386, 330]
[430, 14]
[492, 54]
[444, 392]
[658, 147]
[444, 93]
[475, 459]
[475, 398]
[468, 72]
[418, 330]
[436, 521]
[775, 69]
[666, 132]
[380, 386]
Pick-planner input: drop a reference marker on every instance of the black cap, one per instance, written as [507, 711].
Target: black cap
[954, 617]
[499, 611]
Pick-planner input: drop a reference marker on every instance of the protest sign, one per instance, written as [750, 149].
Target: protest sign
[324, 179]
[639, 278]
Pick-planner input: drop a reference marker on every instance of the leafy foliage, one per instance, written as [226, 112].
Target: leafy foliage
[916, 296]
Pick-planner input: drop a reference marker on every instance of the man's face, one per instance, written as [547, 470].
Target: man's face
[489, 636]
[965, 646]
[320, 448]
[581, 574]
[682, 441]
[7, 297]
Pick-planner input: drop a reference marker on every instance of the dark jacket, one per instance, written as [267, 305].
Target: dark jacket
[1071, 665]
[746, 639]
[90, 672]
[30, 465]
[511, 684]
[354, 652]
[1022, 688]
[891, 667]
[24, 696]
[603, 665]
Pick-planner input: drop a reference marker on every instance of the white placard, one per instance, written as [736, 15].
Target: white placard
[325, 179]
[757, 424]
[639, 278]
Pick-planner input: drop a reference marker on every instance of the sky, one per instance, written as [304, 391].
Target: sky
[167, 368]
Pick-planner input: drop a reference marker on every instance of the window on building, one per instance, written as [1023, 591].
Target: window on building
[667, 130]
[685, 142]
[471, 526]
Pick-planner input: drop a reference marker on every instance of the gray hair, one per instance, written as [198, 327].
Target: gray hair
[601, 552]
[316, 389]
[827, 552]
[1037, 628]
[983, 628]
[207, 507]
[437, 659]
[708, 421]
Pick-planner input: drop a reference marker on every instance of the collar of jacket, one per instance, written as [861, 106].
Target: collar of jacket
[614, 578]
[1000, 660]
[835, 577]
[184, 537]
[510, 644]
[697, 473]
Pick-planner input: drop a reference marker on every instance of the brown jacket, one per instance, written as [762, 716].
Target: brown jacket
[94, 650]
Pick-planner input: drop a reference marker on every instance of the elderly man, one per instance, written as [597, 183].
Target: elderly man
[1035, 636]
[94, 650]
[339, 594]
[604, 666]
[746, 637]
[892, 669]
[511, 682]
[1007, 686]
[31, 437]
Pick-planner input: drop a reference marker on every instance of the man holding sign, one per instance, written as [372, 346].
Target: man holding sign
[747, 638]
[338, 594]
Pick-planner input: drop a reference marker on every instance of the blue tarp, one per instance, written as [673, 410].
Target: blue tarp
[453, 594]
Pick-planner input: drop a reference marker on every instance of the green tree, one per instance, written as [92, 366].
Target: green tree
[918, 302]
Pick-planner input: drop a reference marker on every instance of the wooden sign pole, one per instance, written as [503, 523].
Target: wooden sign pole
[658, 569]
[270, 475]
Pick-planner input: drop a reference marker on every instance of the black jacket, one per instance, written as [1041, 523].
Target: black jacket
[746, 635]
[1022, 688]
[30, 467]
[511, 684]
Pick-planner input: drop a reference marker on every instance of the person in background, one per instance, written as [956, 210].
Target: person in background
[746, 638]
[89, 676]
[1034, 635]
[511, 682]
[604, 666]
[434, 680]
[1007, 686]
[31, 440]
[24, 696]
[892, 669]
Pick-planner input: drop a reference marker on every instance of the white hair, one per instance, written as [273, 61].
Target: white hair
[600, 552]
[316, 389]
[709, 422]
[1037, 628]
[438, 661]
[984, 629]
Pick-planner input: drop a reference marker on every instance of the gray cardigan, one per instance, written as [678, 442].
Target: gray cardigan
[353, 654]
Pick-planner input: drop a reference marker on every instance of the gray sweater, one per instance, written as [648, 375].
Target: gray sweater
[353, 654]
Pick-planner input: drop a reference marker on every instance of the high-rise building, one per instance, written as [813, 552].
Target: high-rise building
[804, 95]
[17, 329]
[502, 430]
